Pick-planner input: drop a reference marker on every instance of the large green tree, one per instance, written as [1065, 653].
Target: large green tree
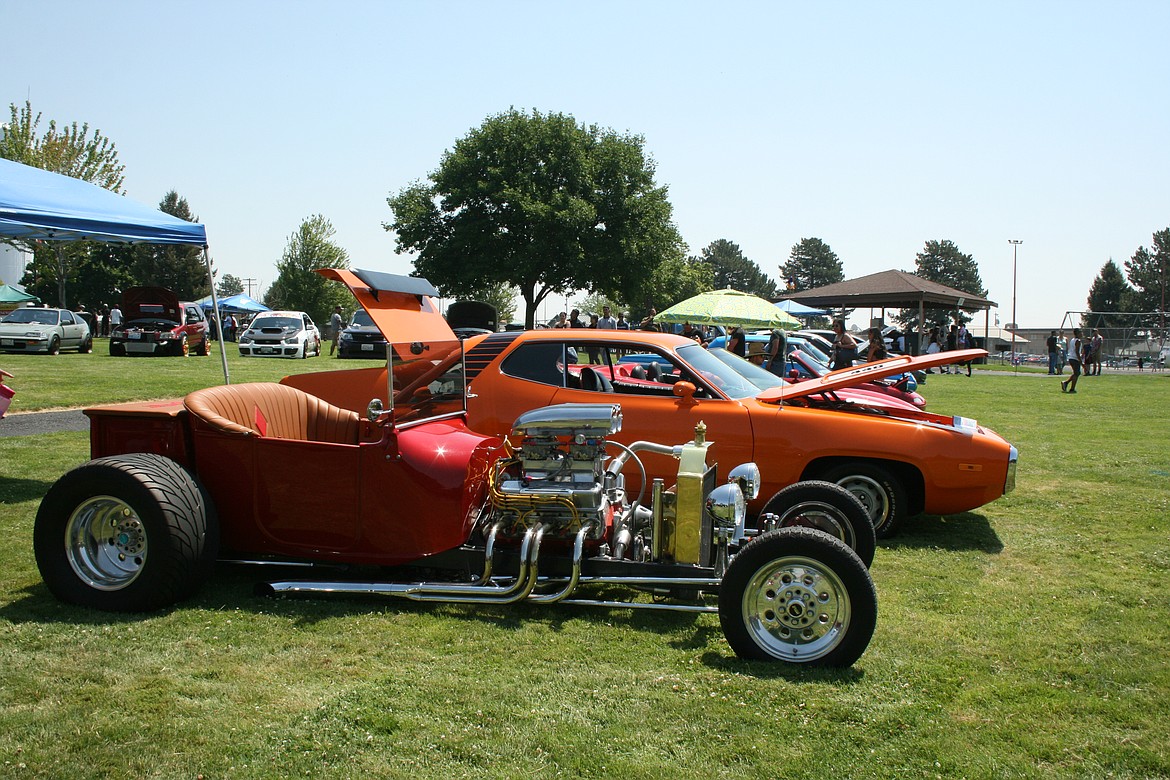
[297, 286]
[72, 151]
[944, 263]
[1149, 271]
[178, 267]
[1108, 295]
[229, 284]
[542, 203]
[730, 268]
[811, 263]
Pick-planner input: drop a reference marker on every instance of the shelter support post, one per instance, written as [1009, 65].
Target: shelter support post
[215, 313]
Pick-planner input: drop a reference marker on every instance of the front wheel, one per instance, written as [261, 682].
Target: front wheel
[183, 349]
[829, 508]
[130, 533]
[54, 346]
[879, 492]
[800, 596]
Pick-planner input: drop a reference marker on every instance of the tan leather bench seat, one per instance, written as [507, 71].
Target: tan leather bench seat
[272, 410]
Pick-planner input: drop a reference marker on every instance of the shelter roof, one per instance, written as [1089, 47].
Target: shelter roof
[891, 289]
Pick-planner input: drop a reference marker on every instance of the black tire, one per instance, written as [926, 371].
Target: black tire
[86, 346]
[204, 348]
[182, 348]
[879, 491]
[130, 533]
[826, 507]
[117, 350]
[800, 596]
[55, 346]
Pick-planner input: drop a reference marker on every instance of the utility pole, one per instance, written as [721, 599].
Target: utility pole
[1015, 245]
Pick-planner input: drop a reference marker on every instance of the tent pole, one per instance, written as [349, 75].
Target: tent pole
[215, 312]
[921, 323]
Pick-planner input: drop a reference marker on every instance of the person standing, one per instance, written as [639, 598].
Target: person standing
[1050, 342]
[606, 321]
[115, 317]
[1074, 361]
[877, 346]
[963, 341]
[335, 325]
[776, 354]
[648, 322]
[737, 342]
[844, 347]
[1095, 345]
[623, 321]
[575, 319]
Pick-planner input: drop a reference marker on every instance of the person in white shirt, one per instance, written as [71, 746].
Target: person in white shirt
[1074, 361]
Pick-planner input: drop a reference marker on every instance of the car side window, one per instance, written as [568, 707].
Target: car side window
[193, 314]
[541, 362]
[67, 318]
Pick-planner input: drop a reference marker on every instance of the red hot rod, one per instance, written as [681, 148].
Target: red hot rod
[541, 515]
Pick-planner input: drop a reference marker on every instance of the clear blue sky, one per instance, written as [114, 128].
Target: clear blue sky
[873, 126]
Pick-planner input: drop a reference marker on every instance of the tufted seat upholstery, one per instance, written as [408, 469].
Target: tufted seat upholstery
[272, 410]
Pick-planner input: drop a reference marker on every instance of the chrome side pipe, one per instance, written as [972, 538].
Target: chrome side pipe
[435, 591]
[574, 576]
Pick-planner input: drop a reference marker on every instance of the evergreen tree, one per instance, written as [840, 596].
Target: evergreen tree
[177, 267]
[942, 262]
[729, 268]
[1147, 272]
[811, 264]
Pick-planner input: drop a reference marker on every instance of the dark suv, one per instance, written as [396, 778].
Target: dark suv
[361, 338]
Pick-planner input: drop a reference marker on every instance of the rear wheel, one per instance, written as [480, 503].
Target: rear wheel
[204, 347]
[879, 492]
[86, 346]
[800, 596]
[829, 508]
[117, 350]
[125, 534]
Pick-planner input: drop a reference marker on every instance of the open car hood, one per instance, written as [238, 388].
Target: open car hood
[151, 303]
[867, 372]
[403, 307]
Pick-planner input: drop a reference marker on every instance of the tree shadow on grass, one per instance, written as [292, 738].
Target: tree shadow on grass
[966, 531]
[14, 490]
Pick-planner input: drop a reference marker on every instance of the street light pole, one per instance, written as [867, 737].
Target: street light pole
[1015, 325]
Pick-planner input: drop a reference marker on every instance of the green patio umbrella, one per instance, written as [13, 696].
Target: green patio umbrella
[729, 308]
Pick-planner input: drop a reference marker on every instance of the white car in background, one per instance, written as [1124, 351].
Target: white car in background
[289, 334]
[35, 329]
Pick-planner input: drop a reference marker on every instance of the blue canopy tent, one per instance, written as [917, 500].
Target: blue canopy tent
[38, 205]
[237, 304]
[799, 309]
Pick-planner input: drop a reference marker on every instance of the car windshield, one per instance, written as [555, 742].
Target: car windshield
[361, 319]
[733, 375]
[759, 378]
[39, 316]
[809, 348]
[291, 323]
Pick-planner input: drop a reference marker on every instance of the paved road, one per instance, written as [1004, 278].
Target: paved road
[43, 422]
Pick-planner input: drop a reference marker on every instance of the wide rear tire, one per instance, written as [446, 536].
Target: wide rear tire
[800, 596]
[826, 507]
[130, 533]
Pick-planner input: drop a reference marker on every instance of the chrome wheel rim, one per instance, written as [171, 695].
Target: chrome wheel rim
[822, 517]
[871, 495]
[105, 543]
[796, 609]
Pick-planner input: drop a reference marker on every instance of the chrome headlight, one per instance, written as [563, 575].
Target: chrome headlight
[246, 339]
[346, 335]
[747, 477]
[726, 506]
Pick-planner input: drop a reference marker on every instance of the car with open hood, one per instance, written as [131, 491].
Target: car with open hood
[289, 334]
[156, 322]
[36, 329]
[899, 463]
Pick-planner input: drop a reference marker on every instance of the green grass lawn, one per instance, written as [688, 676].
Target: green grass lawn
[1026, 639]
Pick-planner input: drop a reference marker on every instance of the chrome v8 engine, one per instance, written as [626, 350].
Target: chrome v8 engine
[557, 475]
